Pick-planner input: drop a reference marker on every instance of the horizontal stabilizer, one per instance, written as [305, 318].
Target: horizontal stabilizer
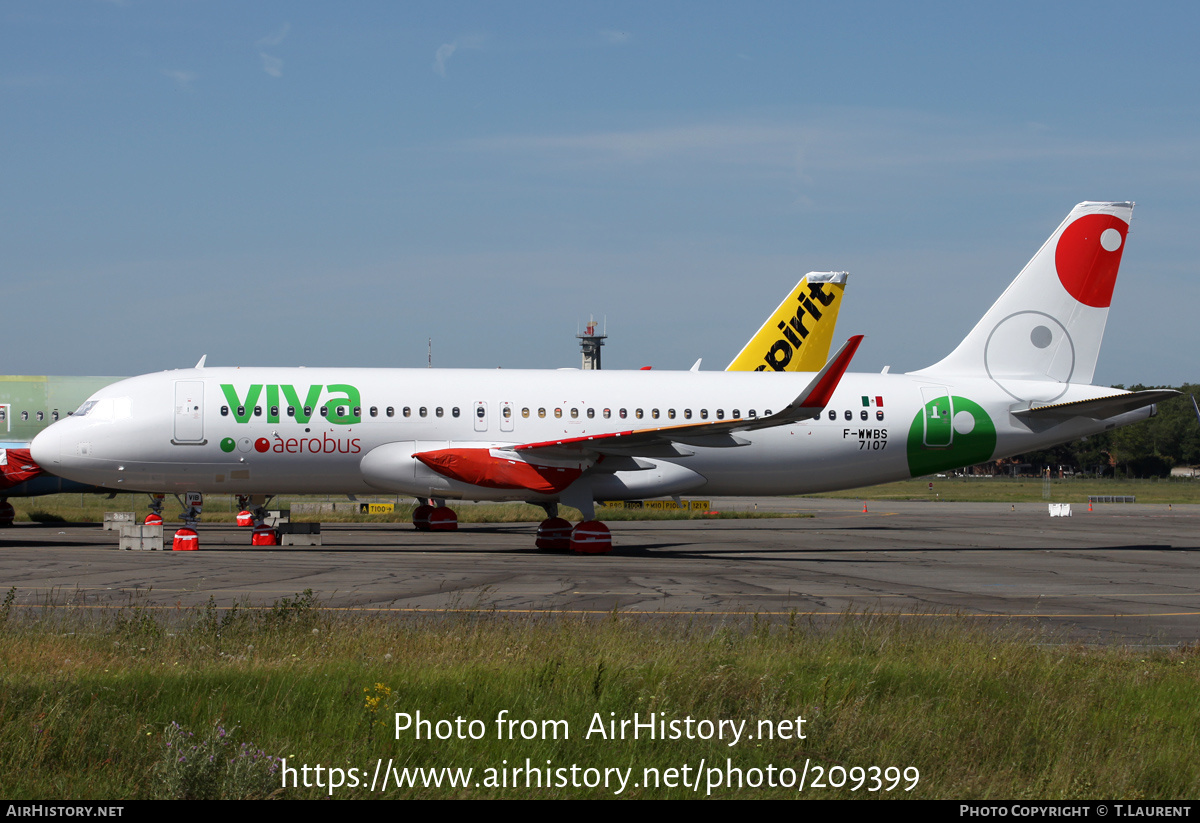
[1100, 408]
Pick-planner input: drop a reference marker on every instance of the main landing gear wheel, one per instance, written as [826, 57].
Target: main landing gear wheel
[421, 517]
[428, 518]
[554, 535]
[443, 519]
[591, 537]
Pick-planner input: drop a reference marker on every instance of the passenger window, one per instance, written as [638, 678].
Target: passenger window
[687, 414]
[541, 412]
[480, 411]
[407, 411]
[623, 414]
[340, 411]
[390, 411]
[607, 413]
[506, 412]
[591, 413]
[752, 414]
[358, 411]
[24, 415]
[224, 411]
[324, 411]
[558, 412]
[654, 413]
[878, 415]
[525, 412]
[258, 411]
[241, 411]
[862, 415]
[736, 414]
[54, 415]
[704, 414]
[454, 412]
[274, 411]
[42, 416]
[671, 413]
[291, 411]
[574, 413]
[308, 411]
[767, 413]
[374, 411]
[4, 413]
[423, 412]
[849, 415]
[832, 414]
[638, 414]
[720, 414]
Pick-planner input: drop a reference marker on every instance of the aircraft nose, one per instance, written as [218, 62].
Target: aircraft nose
[45, 448]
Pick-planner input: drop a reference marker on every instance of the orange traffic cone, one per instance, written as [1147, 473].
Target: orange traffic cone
[864, 507]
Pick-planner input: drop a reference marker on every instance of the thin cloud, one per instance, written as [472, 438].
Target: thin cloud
[276, 38]
[617, 38]
[845, 142]
[445, 51]
[271, 64]
[183, 79]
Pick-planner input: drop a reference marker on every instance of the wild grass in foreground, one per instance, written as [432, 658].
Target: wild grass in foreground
[104, 704]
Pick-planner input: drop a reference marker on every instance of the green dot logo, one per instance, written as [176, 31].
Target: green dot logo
[947, 435]
[227, 445]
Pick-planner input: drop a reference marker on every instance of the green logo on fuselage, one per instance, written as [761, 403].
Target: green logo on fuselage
[342, 402]
[949, 432]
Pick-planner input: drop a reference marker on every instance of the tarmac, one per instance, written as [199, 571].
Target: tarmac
[1124, 573]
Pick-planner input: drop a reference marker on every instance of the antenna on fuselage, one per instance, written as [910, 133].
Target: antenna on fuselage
[430, 364]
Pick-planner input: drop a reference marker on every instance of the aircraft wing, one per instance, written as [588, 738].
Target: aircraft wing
[661, 441]
[1100, 408]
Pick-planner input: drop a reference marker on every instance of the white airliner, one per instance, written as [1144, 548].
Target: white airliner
[1019, 381]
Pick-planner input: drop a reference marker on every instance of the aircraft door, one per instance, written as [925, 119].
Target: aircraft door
[938, 414]
[481, 421]
[506, 416]
[189, 411]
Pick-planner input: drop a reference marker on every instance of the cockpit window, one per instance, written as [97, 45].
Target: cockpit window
[107, 408]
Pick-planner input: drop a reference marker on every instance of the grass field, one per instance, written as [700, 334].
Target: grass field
[1025, 490]
[77, 508]
[134, 703]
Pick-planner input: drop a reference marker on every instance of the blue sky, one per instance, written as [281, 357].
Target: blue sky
[293, 183]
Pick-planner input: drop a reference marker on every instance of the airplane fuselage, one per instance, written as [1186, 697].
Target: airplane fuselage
[311, 431]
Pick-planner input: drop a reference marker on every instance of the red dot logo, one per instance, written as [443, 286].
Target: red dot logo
[262, 444]
[1088, 255]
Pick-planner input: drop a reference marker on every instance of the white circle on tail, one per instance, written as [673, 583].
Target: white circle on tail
[1030, 356]
[1110, 239]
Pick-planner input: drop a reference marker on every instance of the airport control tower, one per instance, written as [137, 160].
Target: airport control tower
[590, 343]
